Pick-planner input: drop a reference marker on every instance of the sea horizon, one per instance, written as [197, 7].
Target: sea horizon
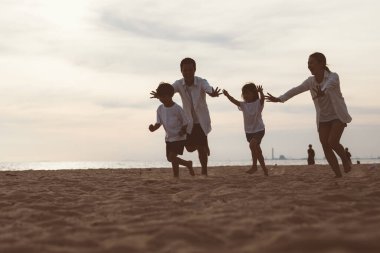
[133, 164]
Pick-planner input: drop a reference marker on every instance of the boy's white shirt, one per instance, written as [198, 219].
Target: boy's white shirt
[331, 86]
[173, 119]
[198, 92]
[253, 121]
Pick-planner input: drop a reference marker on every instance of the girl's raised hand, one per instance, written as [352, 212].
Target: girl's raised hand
[259, 88]
[225, 93]
[153, 94]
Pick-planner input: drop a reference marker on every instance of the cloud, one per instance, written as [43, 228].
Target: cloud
[369, 110]
[162, 31]
[121, 103]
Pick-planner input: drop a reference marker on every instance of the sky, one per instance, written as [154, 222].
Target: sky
[75, 76]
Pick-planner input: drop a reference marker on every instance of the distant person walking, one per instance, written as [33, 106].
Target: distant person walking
[193, 90]
[332, 114]
[348, 154]
[310, 155]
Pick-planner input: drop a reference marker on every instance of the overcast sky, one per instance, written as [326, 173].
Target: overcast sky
[75, 76]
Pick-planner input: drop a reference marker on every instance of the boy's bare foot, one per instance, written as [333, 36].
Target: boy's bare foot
[265, 171]
[251, 170]
[190, 167]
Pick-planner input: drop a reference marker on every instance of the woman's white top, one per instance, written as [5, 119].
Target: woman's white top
[330, 105]
[327, 109]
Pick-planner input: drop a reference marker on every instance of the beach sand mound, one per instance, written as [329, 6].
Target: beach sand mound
[295, 209]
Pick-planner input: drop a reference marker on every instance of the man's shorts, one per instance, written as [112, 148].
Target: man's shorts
[197, 138]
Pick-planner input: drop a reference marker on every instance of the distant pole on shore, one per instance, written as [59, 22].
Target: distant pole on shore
[272, 153]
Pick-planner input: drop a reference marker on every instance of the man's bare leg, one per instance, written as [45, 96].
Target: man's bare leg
[203, 158]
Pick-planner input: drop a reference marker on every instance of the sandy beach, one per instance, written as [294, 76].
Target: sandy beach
[295, 209]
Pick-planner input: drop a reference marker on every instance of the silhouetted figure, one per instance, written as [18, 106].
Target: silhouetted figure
[173, 118]
[332, 114]
[310, 155]
[193, 90]
[348, 154]
[252, 108]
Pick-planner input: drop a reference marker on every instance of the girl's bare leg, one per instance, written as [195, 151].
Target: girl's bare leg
[260, 157]
[257, 155]
[253, 168]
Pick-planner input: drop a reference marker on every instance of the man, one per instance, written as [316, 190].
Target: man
[310, 155]
[193, 90]
[348, 154]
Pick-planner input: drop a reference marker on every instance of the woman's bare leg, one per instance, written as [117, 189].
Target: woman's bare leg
[336, 132]
[324, 134]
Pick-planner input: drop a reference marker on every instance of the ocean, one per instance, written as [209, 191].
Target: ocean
[20, 166]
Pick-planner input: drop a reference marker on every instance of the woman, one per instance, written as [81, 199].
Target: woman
[332, 114]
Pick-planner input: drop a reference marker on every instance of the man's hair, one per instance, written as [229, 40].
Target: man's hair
[165, 89]
[188, 61]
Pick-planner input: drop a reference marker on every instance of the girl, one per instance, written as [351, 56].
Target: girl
[332, 114]
[252, 108]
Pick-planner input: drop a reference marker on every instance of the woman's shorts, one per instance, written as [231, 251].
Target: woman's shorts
[175, 147]
[331, 123]
[258, 136]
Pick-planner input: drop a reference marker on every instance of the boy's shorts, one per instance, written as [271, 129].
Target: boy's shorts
[258, 136]
[175, 147]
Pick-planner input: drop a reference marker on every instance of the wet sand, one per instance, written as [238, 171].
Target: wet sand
[295, 209]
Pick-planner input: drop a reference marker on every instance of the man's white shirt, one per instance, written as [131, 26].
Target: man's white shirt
[196, 103]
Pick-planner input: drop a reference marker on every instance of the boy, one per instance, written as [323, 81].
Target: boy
[172, 117]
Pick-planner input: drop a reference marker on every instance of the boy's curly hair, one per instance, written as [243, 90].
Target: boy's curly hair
[165, 89]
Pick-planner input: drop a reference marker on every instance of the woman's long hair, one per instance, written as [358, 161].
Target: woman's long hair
[321, 58]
